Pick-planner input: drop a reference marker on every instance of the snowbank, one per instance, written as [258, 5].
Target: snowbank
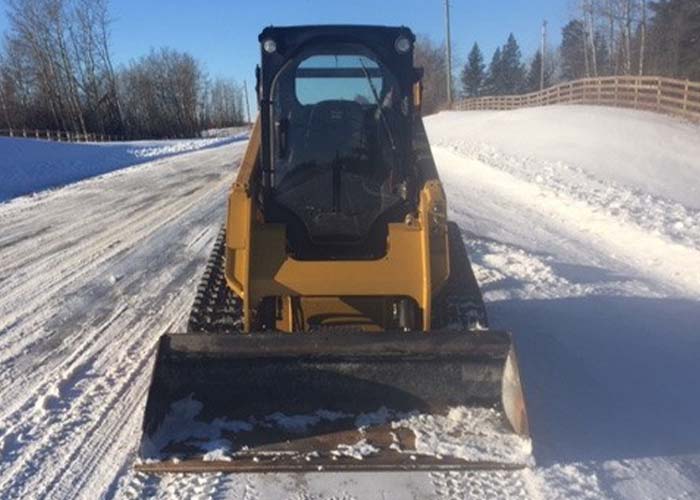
[657, 154]
[28, 165]
[583, 226]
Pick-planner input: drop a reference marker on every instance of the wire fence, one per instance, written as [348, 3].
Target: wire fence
[653, 93]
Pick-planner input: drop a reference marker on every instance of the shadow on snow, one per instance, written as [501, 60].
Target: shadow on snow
[607, 377]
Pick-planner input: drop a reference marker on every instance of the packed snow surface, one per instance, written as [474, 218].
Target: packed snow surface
[582, 225]
[29, 165]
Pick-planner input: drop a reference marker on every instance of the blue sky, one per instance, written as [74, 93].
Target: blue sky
[223, 33]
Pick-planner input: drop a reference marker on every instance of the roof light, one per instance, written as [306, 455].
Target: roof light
[269, 46]
[402, 45]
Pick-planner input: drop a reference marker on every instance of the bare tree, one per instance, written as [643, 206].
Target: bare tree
[3, 99]
[592, 69]
[431, 58]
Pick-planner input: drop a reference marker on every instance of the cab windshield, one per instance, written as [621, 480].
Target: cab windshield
[335, 141]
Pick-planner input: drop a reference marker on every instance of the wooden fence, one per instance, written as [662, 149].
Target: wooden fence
[59, 136]
[653, 93]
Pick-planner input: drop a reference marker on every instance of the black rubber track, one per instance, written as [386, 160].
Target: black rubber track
[460, 303]
[215, 309]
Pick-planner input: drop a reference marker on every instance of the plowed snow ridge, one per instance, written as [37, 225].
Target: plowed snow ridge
[597, 274]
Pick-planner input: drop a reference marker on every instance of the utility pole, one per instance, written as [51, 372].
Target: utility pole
[643, 37]
[449, 54]
[542, 53]
[247, 103]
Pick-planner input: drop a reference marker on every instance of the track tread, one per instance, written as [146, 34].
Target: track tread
[216, 309]
[460, 303]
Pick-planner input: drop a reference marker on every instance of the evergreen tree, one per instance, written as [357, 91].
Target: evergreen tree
[534, 75]
[573, 63]
[602, 54]
[493, 82]
[473, 73]
[513, 79]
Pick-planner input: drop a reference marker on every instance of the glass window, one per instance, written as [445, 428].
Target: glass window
[338, 78]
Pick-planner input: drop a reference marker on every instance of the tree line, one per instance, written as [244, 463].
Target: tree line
[604, 38]
[57, 73]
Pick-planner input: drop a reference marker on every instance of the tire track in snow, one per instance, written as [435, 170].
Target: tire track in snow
[124, 330]
[106, 243]
[506, 485]
[82, 409]
[92, 194]
[71, 426]
[152, 222]
[108, 377]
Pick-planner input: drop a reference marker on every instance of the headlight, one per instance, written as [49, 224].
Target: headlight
[402, 45]
[269, 46]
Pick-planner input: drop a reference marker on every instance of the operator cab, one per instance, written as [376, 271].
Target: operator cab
[337, 108]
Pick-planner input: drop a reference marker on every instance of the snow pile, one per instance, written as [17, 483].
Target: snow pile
[300, 424]
[379, 417]
[628, 203]
[474, 434]
[171, 147]
[358, 451]
[226, 132]
[29, 165]
[568, 215]
[180, 426]
[648, 152]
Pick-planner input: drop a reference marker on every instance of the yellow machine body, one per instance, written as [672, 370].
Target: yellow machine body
[361, 293]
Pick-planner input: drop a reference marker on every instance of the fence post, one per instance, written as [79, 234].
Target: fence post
[637, 84]
[685, 95]
[617, 91]
[658, 94]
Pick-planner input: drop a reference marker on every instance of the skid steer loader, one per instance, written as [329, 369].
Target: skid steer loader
[338, 325]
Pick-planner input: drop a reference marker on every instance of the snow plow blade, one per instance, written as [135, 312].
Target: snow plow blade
[334, 401]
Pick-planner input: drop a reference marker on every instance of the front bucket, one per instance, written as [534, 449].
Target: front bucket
[340, 401]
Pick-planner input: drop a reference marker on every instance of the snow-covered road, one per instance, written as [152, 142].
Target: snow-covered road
[91, 276]
[596, 270]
